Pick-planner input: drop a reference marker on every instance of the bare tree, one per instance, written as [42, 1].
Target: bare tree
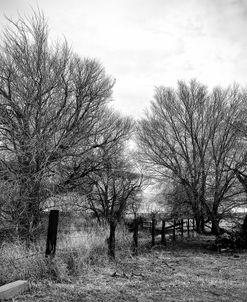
[224, 150]
[173, 135]
[51, 102]
[112, 190]
[112, 187]
[188, 137]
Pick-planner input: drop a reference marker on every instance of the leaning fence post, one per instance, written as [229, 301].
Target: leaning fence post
[135, 237]
[52, 234]
[163, 236]
[153, 231]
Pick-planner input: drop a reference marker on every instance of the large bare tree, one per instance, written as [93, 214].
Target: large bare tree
[188, 136]
[225, 149]
[51, 104]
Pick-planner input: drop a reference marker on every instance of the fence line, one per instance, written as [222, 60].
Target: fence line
[168, 227]
[177, 225]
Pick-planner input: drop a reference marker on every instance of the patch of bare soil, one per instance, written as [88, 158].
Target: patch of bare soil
[183, 271]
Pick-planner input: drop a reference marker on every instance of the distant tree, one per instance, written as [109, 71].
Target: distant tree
[112, 190]
[188, 137]
[224, 149]
[178, 201]
[239, 167]
[172, 136]
[51, 104]
[134, 204]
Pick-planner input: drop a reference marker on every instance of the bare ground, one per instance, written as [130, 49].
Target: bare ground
[184, 271]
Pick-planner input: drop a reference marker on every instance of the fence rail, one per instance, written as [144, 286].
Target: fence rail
[165, 228]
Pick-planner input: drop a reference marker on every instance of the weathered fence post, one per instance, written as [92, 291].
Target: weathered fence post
[163, 236]
[174, 229]
[135, 237]
[182, 228]
[52, 234]
[188, 227]
[153, 231]
[193, 227]
[112, 240]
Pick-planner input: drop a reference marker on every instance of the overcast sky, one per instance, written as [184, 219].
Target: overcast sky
[147, 43]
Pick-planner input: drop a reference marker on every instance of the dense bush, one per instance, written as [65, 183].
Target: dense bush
[235, 239]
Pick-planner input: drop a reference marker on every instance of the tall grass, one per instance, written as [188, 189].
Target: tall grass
[18, 262]
[77, 251]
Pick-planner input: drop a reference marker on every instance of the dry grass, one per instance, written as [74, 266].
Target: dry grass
[76, 252]
[185, 271]
[18, 262]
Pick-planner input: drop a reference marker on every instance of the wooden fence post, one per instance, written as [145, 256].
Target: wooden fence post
[153, 231]
[174, 229]
[182, 228]
[193, 227]
[188, 227]
[135, 237]
[163, 236]
[52, 234]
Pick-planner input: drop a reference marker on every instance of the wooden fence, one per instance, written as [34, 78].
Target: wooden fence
[165, 228]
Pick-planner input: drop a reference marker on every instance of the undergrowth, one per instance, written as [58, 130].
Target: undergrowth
[76, 253]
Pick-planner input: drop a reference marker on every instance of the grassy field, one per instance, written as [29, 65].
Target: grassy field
[183, 271]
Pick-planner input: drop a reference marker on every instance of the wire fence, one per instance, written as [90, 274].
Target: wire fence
[72, 233]
[14, 253]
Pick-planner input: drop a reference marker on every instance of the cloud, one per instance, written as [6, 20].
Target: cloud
[145, 43]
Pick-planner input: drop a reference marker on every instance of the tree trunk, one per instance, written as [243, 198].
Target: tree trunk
[212, 214]
[135, 237]
[200, 223]
[111, 240]
[215, 227]
[197, 209]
